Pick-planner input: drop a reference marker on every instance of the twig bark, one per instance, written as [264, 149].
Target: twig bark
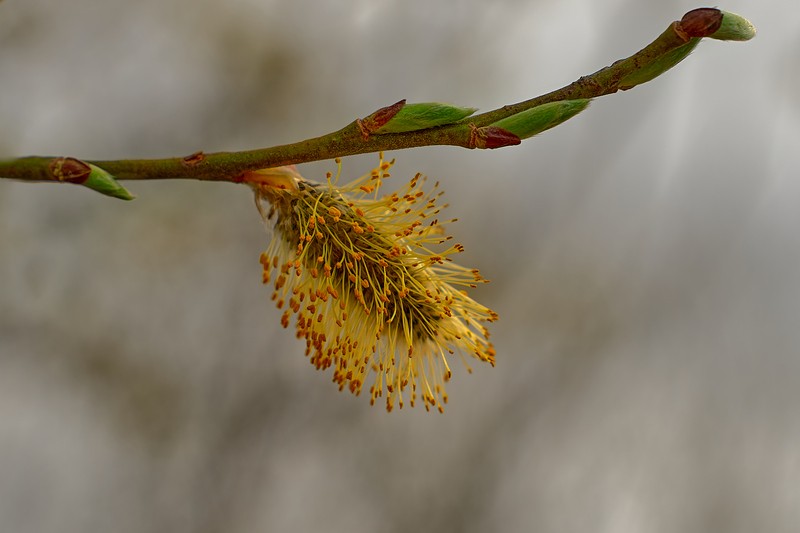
[664, 52]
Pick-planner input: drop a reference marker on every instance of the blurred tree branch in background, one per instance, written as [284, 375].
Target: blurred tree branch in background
[402, 125]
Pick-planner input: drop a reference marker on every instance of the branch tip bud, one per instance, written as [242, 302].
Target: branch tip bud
[734, 28]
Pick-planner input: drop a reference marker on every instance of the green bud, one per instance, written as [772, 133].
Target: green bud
[540, 118]
[659, 66]
[412, 117]
[101, 181]
[734, 28]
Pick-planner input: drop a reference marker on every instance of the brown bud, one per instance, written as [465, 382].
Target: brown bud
[379, 118]
[700, 22]
[492, 137]
[70, 169]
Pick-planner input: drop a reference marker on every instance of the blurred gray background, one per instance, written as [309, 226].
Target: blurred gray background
[644, 258]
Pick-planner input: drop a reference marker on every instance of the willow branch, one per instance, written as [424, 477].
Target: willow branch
[428, 125]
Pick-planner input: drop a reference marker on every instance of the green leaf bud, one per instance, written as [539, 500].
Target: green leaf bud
[734, 28]
[412, 117]
[101, 181]
[540, 118]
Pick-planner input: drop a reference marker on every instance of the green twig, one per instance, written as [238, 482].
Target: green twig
[408, 126]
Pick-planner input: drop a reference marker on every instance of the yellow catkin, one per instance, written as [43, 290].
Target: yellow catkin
[381, 290]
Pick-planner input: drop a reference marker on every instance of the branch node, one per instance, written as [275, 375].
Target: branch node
[193, 159]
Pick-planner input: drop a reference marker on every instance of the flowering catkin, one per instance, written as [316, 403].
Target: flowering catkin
[371, 282]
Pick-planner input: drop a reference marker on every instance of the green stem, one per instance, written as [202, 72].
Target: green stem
[355, 139]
